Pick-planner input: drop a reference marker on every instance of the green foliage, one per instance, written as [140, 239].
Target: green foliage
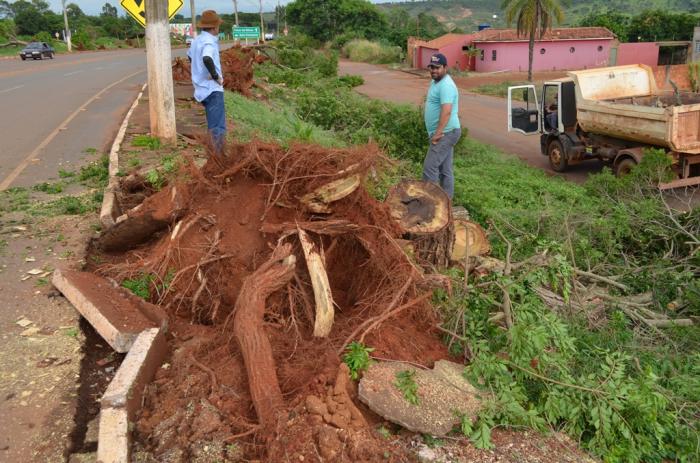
[500, 89]
[351, 81]
[658, 25]
[95, 174]
[323, 19]
[83, 41]
[371, 52]
[50, 188]
[406, 383]
[68, 205]
[146, 141]
[140, 286]
[618, 23]
[357, 358]
[155, 179]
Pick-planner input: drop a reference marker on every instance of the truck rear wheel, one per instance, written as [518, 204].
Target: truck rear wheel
[558, 158]
[624, 167]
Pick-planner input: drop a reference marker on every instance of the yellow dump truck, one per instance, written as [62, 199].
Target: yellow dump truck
[611, 114]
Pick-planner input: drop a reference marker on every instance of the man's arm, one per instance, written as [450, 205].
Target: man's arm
[209, 64]
[445, 113]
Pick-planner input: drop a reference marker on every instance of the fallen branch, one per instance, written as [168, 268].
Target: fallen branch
[384, 317]
[607, 280]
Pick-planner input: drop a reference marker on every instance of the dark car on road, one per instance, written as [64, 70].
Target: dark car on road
[37, 50]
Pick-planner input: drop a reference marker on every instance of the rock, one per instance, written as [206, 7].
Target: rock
[427, 455]
[30, 331]
[315, 406]
[23, 322]
[441, 392]
[329, 445]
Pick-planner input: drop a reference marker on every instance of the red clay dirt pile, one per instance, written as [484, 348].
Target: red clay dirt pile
[236, 66]
[235, 254]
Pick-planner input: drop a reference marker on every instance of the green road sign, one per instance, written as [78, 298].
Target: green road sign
[246, 32]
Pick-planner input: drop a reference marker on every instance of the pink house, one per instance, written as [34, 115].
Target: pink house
[560, 49]
[504, 50]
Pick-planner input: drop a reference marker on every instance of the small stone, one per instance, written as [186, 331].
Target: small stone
[35, 271]
[29, 259]
[315, 406]
[25, 394]
[30, 331]
[23, 322]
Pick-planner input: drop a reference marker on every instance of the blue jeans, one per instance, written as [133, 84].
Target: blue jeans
[216, 119]
[437, 167]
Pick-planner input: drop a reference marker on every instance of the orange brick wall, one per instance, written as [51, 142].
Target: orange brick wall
[678, 73]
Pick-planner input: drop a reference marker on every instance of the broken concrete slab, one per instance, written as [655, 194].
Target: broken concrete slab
[113, 442]
[113, 315]
[442, 393]
[136, 371]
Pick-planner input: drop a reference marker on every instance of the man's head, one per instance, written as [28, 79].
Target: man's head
[437, 66]
[210, 22]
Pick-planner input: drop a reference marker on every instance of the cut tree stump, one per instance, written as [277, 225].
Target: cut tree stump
[320, 285]
[249, 333]
[423, 212]
[469, 236]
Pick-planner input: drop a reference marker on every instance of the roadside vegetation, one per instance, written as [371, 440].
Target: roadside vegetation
[588, 267]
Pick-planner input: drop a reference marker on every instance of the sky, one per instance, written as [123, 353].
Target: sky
[93, 7]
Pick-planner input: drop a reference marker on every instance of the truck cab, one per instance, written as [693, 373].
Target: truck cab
[613, 114]
[551, 114]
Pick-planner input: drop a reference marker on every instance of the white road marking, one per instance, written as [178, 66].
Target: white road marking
[71, 73]
[11, 88]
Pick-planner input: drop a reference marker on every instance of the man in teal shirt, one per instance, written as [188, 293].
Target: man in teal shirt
[442, 124]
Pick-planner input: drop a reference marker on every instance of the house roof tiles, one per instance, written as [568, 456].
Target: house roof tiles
[569, 33]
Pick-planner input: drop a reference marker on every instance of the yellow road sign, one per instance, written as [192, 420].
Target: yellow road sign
[137, 9]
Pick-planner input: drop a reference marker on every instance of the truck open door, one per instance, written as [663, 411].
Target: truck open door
[523, 110]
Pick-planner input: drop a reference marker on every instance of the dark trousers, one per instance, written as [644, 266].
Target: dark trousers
[437, 167]
[216, 119]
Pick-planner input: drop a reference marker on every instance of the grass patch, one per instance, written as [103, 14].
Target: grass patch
[371, 52]
[49, 188]
[14, 199]
[275, 123]
[146, 141]
[95, 174]
[500, 89]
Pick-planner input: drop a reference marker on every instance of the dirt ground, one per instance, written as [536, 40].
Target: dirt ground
[41, 355]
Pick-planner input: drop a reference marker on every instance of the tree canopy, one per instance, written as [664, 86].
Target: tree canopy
[324, 19]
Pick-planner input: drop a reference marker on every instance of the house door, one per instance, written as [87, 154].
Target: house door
[613, 56]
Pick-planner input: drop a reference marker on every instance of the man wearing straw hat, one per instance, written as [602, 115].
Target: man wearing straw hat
[207, 78]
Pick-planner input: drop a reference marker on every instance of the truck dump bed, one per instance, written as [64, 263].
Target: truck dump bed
[624, 102]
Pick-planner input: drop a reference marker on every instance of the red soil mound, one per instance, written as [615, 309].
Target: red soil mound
[230, 223]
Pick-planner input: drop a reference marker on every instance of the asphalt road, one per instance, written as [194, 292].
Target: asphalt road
[484, 116]
[51, 111]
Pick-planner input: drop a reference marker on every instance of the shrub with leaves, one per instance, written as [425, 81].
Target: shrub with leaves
[406, 383]
[357, 358]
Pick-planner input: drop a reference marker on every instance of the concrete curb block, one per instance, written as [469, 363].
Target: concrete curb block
[119, 340]
[122, 400]
[110, 209]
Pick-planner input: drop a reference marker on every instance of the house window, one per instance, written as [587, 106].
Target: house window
[697, 46]
[542, 51]
[572, 50]
[600, 48]
[493, 55]
[481, 54]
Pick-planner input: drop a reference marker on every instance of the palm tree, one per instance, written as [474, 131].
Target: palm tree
[533, 17]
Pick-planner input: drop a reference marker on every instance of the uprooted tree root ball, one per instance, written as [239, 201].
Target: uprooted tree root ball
[221, 251]
[236, 67]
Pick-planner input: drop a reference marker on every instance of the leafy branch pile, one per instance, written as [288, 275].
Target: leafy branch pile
[573, 324]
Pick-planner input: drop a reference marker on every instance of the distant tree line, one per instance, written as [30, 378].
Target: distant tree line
[343, 20]
[647, 26]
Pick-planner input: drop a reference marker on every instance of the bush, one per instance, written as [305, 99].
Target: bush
[339, 41]
[82, 41]
[43, 36]
[371, 52]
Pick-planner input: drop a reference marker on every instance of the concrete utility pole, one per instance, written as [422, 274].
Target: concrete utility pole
[66, 34]
[235, 10]
[262, 24]
[194, 19]
[161, 101]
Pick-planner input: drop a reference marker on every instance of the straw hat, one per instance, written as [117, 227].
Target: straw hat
[209, 20]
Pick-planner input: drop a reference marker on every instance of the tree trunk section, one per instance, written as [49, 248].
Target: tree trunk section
[250, 335]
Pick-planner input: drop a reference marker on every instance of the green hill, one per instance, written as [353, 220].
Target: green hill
[468, 14]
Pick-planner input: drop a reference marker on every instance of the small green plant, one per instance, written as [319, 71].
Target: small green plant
[170, 163]
[50, 188]
[140, 286]
[155, 178]
[95, 174]
[42, 281]
[406, 383]
[146, 141]
[90, 150]
[357, 358]
[66, 173]
[66, 205]
[432, 442]
[384, 432]
[71, 332]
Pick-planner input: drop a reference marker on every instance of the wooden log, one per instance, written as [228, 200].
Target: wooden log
[321, 286]
[249, 332]
[470, 240]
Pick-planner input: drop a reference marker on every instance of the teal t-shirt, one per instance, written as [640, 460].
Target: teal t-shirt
[441, 93]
